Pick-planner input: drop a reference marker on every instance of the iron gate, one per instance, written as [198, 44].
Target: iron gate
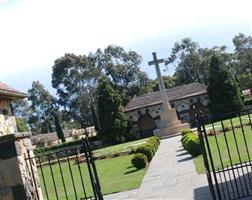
[67, 174]
[226, 148]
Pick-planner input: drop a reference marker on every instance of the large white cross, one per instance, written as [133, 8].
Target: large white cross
[156, 62]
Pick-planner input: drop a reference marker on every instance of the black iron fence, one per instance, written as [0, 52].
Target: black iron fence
[66, 174]
[227, 152]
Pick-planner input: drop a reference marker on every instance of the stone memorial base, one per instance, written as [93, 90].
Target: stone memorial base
[169, 124]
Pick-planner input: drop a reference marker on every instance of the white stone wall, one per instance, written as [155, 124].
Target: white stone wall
[182, 107]
[7, 125]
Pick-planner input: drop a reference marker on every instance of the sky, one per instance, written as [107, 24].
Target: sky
[34, 33]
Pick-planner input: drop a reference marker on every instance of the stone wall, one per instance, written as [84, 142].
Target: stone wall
[16, 179]
[7, 125]
[182, 107]
[48, 139]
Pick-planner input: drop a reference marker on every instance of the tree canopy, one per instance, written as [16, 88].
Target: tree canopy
[75, 78]
[192, 62]
[113, 121]
[42, 105]
[223, 90]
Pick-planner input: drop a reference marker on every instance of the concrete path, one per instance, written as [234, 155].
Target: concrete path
[171, 175]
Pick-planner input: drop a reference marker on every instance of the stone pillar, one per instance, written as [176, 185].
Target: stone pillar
[16, 178]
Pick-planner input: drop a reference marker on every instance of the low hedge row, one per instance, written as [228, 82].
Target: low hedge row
[145, 152]
[40, 150]
[191, 142]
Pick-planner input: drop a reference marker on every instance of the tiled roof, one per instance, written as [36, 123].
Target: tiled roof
[10, 92]
[176, 93]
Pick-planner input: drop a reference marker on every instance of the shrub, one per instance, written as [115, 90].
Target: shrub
[186, 131]
[184, 138]
[152, 146]
[156, 139]
[139, 161]
[146, 150]
[191, 144]
[153, 143]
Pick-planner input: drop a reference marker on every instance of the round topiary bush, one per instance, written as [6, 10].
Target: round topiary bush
[139, 161]
[192, 145]
[185, 137]
[153, 144]
[186, 131]
[152, 147]
[153, 141]
[146, 150]
[156, 139]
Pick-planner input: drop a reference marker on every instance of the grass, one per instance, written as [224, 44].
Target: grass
[231, 145]
[235, 121]
[119, 148]
[115, 174]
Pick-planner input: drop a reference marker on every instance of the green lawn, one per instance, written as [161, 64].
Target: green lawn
[119, 148]
[116, 175]
[235, 121]
[223, 148]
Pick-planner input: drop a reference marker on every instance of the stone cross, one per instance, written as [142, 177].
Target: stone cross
[156, 62]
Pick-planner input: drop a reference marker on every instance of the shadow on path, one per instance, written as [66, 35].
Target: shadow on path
[202, 193]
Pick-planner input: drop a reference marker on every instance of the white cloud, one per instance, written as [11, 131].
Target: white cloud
[34, 33]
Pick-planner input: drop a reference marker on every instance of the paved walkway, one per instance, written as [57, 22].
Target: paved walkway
[171, 175]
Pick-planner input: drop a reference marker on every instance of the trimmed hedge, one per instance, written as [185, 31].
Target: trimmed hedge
[191, 144]
[186, 131]
[149, 148]
[139, 161]
[146, 150]
[39, 150]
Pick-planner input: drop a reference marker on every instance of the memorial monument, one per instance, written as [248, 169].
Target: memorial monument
[169, 123]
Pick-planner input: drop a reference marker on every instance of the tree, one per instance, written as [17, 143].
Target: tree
[122, 69]
[22, 111]
[245, 80]
[75, 78]
[21, 125]
[192, 62]
[112, 119]
[42, 105]
[243, 53]
[223, 89]
[169, 82]
[58, 128]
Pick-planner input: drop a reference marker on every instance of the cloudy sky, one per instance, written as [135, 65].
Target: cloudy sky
[33, 33]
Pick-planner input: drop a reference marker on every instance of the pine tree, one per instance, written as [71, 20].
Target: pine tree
[58, 128]
[223, 89]
[112, 119]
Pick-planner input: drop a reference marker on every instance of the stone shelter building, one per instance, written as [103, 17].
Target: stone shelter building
[144, 110]
[7, 121]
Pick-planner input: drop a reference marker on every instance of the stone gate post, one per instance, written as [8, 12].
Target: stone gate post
[16, 177]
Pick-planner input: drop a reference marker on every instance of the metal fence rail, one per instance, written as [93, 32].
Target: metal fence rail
[226, 147]
[67, 174]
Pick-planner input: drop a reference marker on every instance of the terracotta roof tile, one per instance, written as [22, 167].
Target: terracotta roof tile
[8, 91]
[176, 93]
